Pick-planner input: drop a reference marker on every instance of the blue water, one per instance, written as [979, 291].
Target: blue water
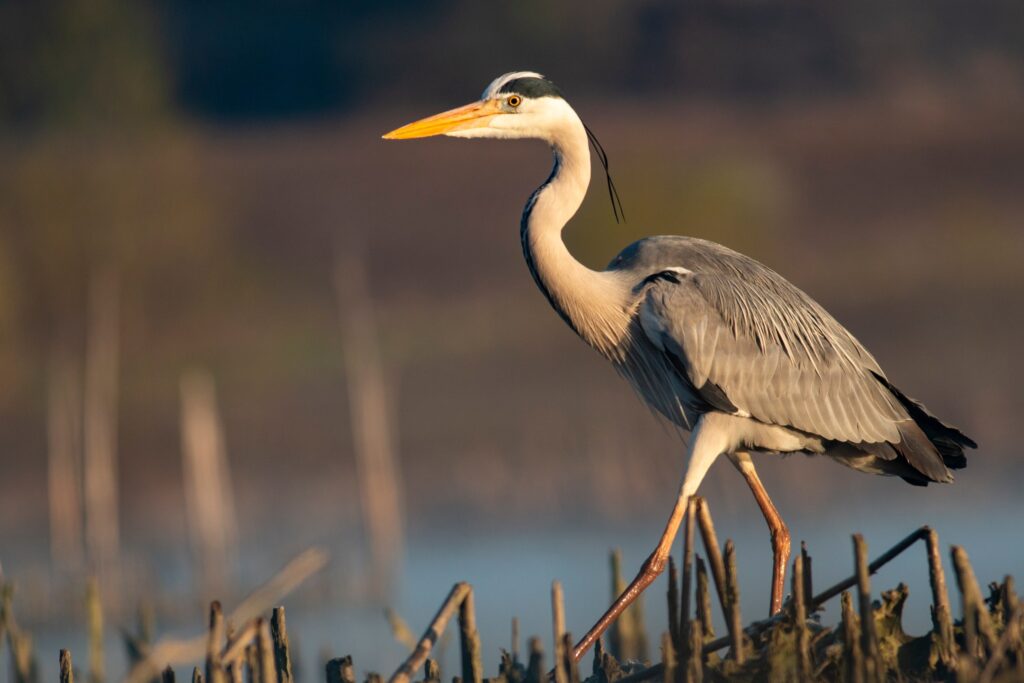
[511, 573]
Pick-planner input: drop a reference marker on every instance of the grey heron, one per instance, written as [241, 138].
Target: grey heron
[719, 344]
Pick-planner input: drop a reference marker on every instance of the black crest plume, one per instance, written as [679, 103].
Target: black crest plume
[613, 194]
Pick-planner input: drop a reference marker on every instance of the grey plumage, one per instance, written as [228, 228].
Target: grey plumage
[731, 335]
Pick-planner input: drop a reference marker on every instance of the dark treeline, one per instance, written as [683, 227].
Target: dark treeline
[237, 61]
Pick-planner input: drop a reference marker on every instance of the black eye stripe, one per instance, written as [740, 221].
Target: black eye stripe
[529, 86]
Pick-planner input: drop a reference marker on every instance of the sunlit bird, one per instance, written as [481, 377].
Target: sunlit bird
[719, 344]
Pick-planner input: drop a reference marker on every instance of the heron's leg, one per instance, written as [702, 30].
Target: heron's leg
[778, 529]
[707, 441]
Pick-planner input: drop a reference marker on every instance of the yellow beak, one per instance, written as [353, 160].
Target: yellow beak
[475, 115]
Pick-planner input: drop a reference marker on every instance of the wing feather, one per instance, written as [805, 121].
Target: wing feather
[771, 352]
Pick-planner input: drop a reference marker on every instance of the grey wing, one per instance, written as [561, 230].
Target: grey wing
[752, 343]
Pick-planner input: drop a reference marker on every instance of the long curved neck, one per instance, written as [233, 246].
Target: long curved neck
[593, 303]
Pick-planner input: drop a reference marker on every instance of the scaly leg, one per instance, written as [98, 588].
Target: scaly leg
[707, 442]
[778, 529]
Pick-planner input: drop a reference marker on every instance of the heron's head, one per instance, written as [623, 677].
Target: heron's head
[521, 104]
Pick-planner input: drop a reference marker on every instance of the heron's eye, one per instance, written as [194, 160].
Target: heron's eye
[514, 101]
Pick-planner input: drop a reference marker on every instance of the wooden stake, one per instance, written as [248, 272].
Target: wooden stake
[535, 669]
[668, 658]
[1011, 634]
[803, 639]
[235, 648]
[620, 635]
[515, 639]
[853, 658]
[707, 530]
[214, 643]
[252, 659]
[472, 665]
[569, 665]
[282, 651]
[704, 601]
[732, 588]
[265, 652]
[67, 673]
[869, 638]
[978, 629]
[808, 582]
[695, 657]
[942, 619]
[558, 624]
[431, 635]
[340, 670]
[673, 605]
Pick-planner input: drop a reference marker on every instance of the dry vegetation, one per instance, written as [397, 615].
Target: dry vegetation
[868, 645]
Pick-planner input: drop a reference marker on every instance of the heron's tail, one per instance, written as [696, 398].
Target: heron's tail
[947, 440]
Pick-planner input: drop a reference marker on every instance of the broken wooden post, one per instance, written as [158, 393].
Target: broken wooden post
[732, 589]
[620, 633]
[469, 639]
[569, 664]
[978, 630]
[515, 639]
[808, 582]
[668, 658]
[869, 637]
[214, 643]
[67, 673]
[853, 658]
[535, 668]
[282, 649]
[942, 619]
[694, 672]
[558, 625]
[704, 601]
[265, 652]
[803, 640]
[707, 530]
[340, 670]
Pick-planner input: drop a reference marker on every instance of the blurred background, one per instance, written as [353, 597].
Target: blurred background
[234, 323]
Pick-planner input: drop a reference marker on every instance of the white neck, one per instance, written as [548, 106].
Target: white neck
[593, 303]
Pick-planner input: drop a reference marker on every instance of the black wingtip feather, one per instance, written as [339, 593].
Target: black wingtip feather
[947, 440]
[921, 453]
